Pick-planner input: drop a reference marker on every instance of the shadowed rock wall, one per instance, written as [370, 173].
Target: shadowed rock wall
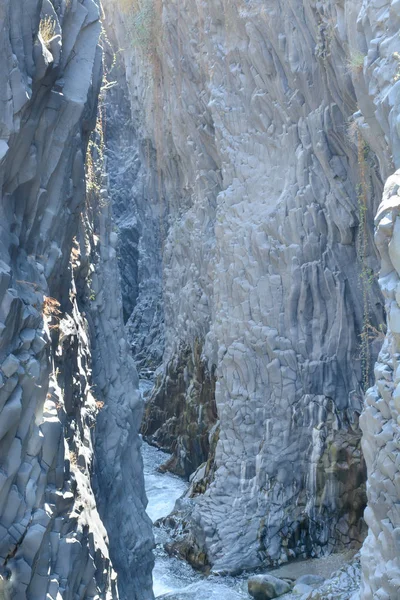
[54, 536]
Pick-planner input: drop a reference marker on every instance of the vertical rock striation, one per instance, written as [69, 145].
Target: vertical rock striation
[53, 540]
[248, 107]
[275, 126]
[380, 420]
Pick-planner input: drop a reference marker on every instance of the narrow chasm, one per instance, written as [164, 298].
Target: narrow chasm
[248, 147]
[199, 299]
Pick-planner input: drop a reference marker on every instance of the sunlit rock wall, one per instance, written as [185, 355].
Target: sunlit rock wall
[275, 127]
[381, 420]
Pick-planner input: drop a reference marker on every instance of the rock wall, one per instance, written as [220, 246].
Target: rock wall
[182, 412]
[60, 364]
[275, 126]
[137, 214]
[380, 420]
[248, 107]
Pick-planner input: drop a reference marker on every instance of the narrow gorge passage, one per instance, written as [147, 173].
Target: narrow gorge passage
[172, 576]
[261, 136]
[200, 251]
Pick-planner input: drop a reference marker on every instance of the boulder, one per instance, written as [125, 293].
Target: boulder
[266, 587]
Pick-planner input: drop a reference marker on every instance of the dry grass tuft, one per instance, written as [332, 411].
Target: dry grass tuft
[47, 29]
[51, 307]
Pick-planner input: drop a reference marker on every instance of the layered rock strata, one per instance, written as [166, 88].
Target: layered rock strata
[54, 535]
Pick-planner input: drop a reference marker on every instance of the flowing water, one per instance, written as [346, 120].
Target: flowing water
[171, 576]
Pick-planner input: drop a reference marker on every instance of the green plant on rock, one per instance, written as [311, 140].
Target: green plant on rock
[94, 162]
[142, 24]
[355, 63]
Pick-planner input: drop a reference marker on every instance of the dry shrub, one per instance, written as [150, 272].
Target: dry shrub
[51, 307]
[355, 63]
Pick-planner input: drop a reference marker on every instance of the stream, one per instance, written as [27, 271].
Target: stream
[173, 578]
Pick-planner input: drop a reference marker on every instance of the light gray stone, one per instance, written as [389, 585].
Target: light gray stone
[310, 580]
[10, 365]
[54, 535]
[246, 162]
[266, 587]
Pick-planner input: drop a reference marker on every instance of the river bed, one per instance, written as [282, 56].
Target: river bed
[174, 578]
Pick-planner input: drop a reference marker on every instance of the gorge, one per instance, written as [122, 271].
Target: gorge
[197, 200]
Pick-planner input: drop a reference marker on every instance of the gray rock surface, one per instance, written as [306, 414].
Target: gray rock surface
[380, 421]
[275, 126]
[310, 580]
[267, 587]
[137, 208]
[54, 534]
[247, 106]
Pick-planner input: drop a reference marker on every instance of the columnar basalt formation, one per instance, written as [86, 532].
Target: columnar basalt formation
[381, 419]
[275, 126]
[56, 369]
[248, 143]
[182, 412]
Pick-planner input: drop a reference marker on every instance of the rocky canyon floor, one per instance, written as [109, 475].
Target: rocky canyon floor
[175, 580]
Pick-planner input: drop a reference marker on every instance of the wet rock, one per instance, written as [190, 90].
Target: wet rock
[266, 587]
[181, 412]
[310, 580]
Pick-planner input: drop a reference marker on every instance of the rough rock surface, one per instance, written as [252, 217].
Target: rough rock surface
[275, 126]
[381, 420]
[136, 210]
[54, 535]
[267, 587]
[248, 107]
[182, 412]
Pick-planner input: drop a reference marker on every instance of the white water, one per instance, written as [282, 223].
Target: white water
[172, 576]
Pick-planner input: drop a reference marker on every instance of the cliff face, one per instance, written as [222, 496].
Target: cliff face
[380, 421]
[274, 126]
[62, 357]
[248, 144]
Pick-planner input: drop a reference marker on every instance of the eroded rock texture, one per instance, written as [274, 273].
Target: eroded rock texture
[265, 236]
[58, 364]
[137, 213]
[380, 421]
[182, 412]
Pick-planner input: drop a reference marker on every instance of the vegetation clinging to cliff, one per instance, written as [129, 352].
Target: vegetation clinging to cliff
[141, 22]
